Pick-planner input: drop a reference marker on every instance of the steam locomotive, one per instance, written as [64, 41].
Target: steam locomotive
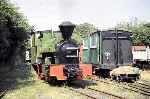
[65, 64]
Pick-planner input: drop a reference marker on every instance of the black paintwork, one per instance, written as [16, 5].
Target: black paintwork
[67, 51]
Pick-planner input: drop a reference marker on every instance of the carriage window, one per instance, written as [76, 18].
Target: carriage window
[93, 41]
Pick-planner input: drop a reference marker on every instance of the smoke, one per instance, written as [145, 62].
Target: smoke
[67, 7]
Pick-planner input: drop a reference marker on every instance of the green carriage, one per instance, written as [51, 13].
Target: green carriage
[108, 50]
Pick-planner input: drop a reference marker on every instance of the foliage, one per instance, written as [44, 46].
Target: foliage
[83, 30]
[10, 14]
[141, 34]
[51, 43]
[140, 30]
[40, 90]
[47, 42]
[13, 32]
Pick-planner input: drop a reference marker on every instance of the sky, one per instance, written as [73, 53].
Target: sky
[103, 14]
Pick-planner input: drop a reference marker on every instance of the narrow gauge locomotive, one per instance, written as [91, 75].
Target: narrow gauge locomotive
[64, 64]
[110, 52]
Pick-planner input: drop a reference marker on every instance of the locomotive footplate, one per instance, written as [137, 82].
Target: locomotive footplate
[64, 72]
[70, 71]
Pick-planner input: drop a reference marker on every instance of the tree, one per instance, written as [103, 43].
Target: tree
[141, 34]
[140, 30]
[14, 30]
[83, 30]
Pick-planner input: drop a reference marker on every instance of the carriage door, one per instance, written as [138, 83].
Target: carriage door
[108, 49]
[124, 49]
[93, 49]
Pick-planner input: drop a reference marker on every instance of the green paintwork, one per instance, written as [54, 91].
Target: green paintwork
[94, 56]
[100, 47]
[91, 53]
[86, 50]
[45, 44]
[85, 56]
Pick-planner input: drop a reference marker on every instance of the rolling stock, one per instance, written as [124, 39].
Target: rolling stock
[109, 50]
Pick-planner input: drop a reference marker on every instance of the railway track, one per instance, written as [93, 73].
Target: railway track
[138, 87]
[146, 86]
[145, 82]
[95, 94]
[4, 88]
[2, 93]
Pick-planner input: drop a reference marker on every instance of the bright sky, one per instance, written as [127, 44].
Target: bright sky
[48, 14]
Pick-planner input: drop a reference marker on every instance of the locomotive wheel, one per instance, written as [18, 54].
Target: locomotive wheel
[52, 80]
[139, 77]
[136, 78]
[113, 77]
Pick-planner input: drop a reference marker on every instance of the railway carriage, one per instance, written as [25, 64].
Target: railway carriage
[108, 50]
[141, 56]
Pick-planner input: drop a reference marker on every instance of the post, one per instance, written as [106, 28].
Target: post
[81, 54]
[33, 47]
[116, 46]
[100, 46]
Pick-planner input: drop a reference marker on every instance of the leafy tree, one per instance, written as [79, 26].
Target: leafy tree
[13, 32]
[141, 34]
[140, 30]
[49, 41]
[83, 30]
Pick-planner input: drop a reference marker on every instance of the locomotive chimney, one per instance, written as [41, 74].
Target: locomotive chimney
[66, 29]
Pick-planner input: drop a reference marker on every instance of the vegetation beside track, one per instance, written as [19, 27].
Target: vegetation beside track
[145, 75]
[27, 86]
[41, 90]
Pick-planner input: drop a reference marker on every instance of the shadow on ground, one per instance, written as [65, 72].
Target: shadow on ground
[16, 77]
[74, 84]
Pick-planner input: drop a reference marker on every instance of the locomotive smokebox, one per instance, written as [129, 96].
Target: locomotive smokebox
[66, 29]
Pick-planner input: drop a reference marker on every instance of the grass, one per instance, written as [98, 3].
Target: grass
[145, 75]
[29, 87]
[41, 90]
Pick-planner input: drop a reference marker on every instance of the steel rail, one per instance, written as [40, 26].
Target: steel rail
[110, 94]
[82, 93]
[95, 94]
[134, 88]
